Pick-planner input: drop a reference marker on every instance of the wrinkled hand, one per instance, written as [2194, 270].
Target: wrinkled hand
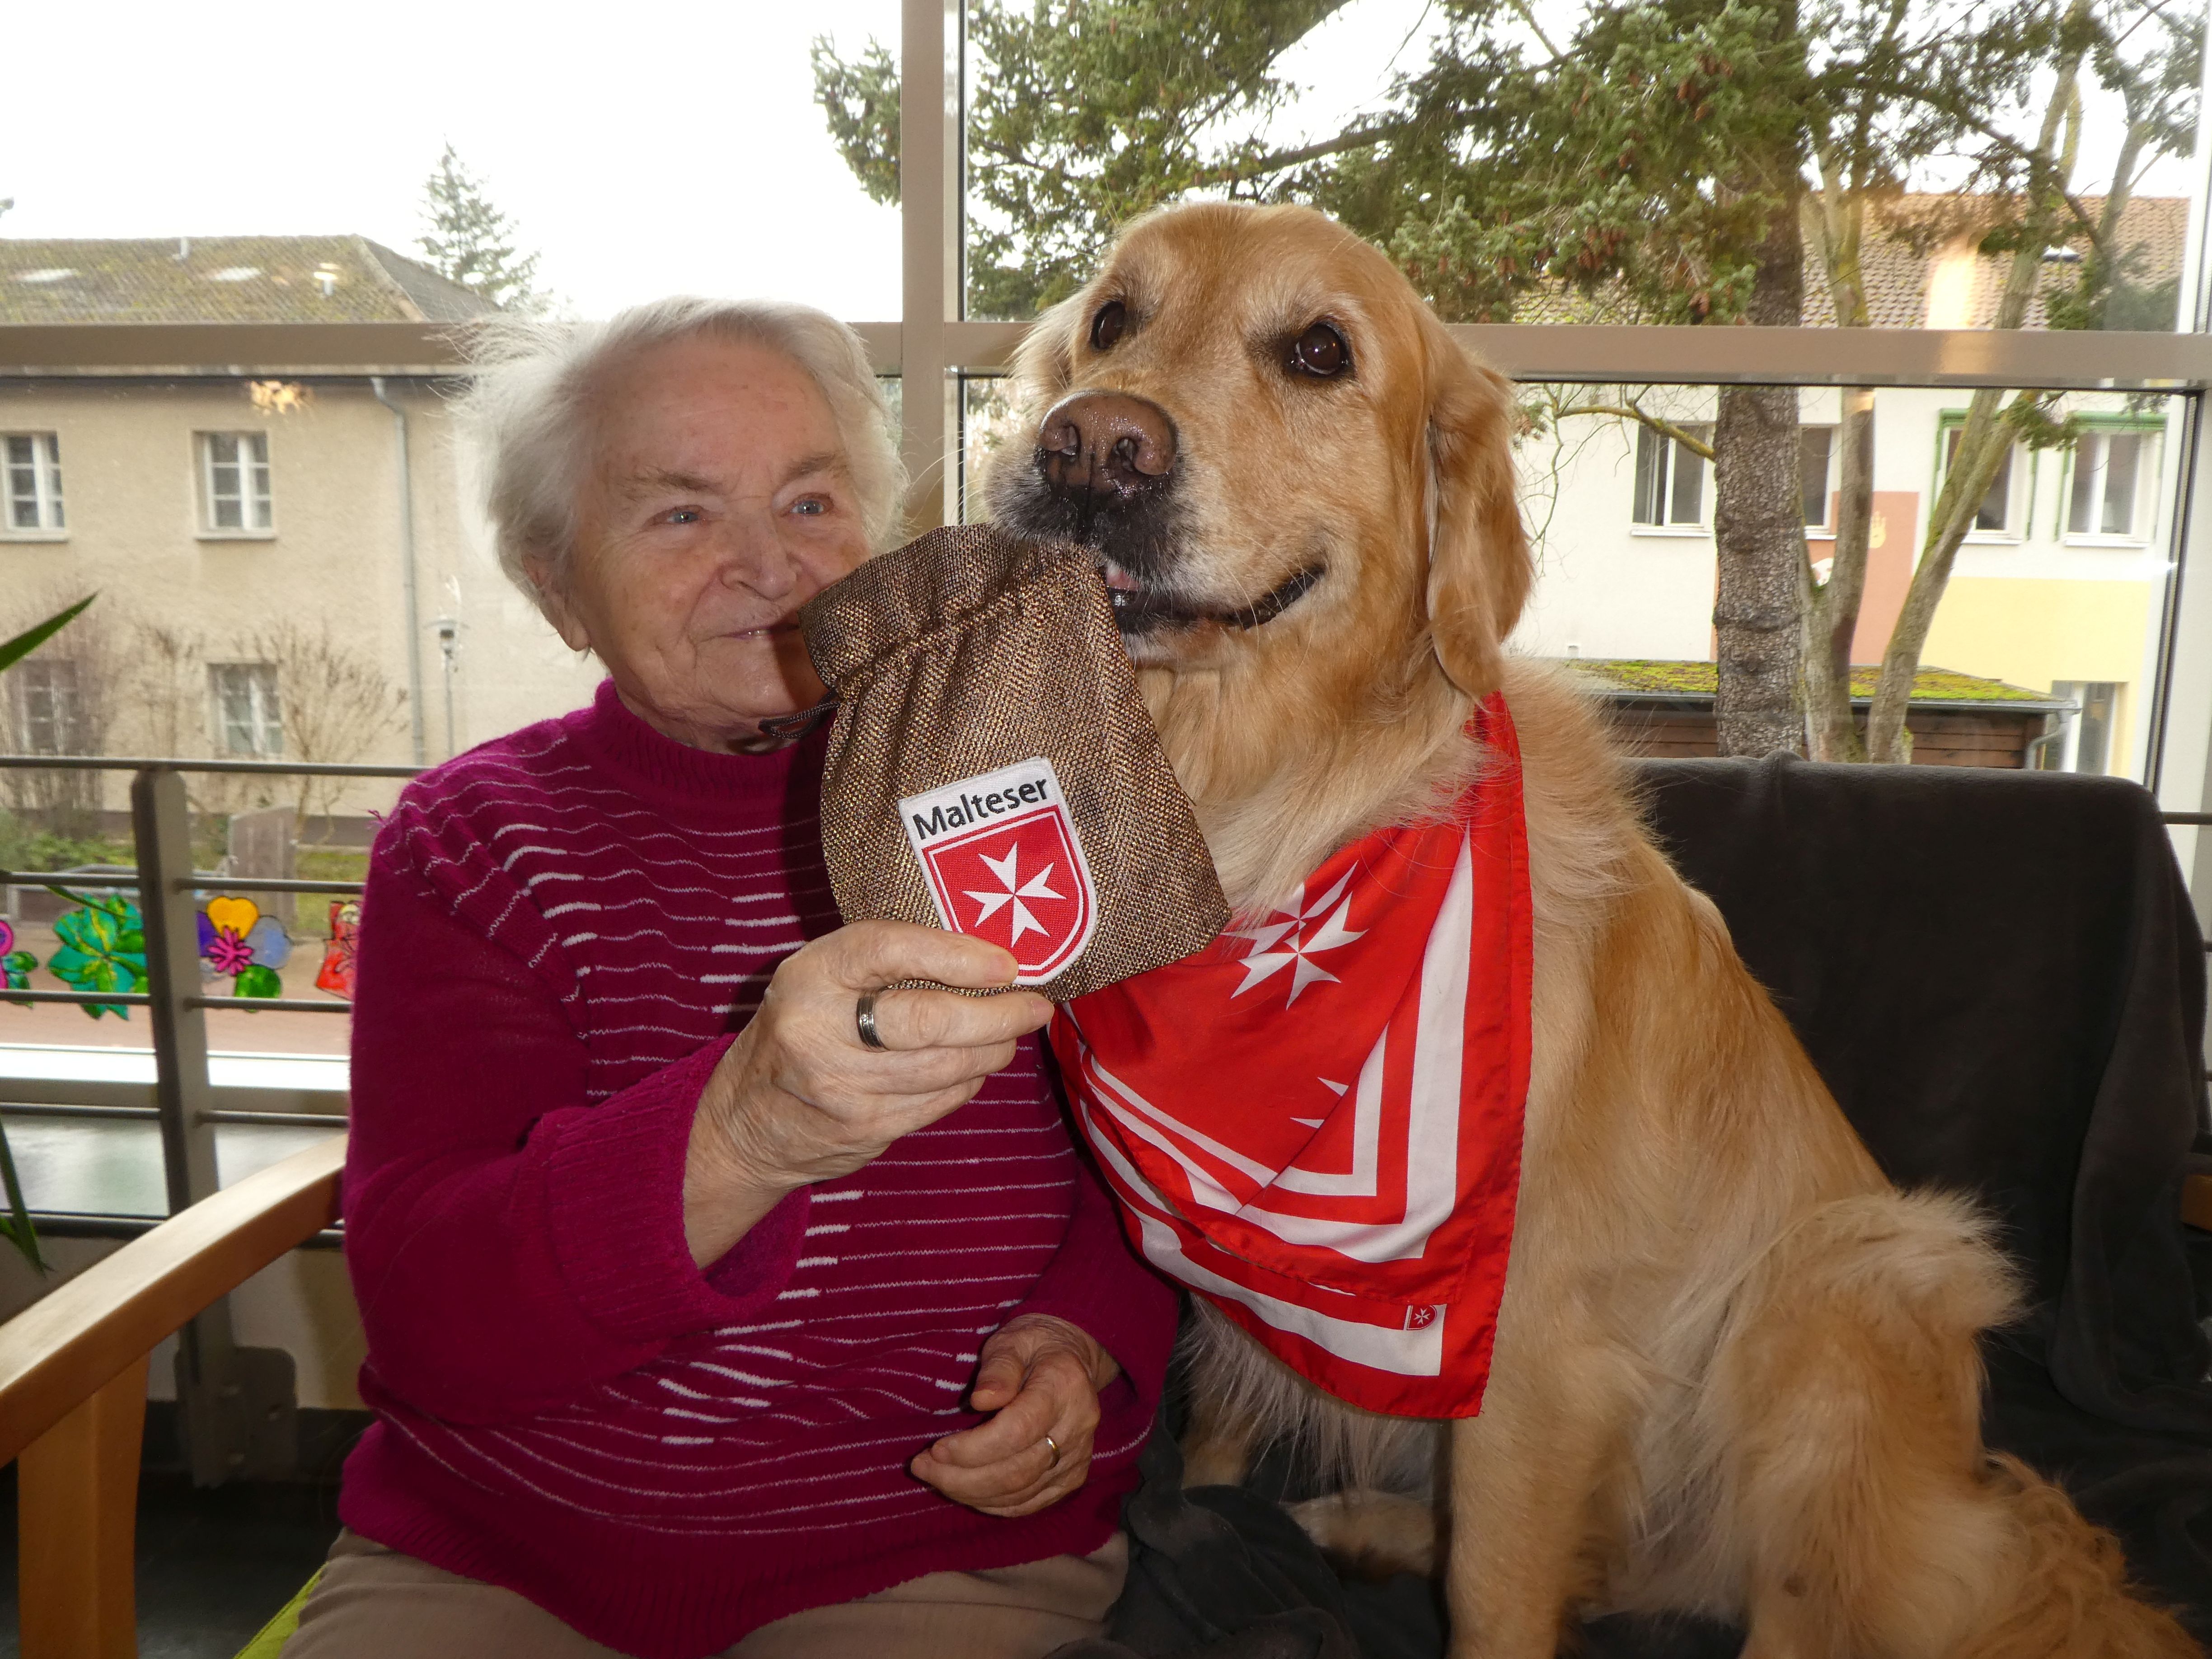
[797, 1098]
[1042, 1376]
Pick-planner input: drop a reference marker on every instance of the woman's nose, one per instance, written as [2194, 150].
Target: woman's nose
[754, 556]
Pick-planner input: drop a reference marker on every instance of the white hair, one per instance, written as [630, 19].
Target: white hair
[529, 412]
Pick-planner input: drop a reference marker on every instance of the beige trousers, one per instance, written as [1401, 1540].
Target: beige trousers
[375, 1603]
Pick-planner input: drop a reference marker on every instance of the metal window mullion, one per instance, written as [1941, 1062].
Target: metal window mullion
[161, 825]
[930, 231]
[183, 1099]
[2181, 657]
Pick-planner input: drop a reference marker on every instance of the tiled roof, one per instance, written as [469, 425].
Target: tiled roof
[224, 279]
[1923, 271]
[1633, 680]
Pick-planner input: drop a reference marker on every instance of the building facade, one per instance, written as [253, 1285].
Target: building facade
[287, 568]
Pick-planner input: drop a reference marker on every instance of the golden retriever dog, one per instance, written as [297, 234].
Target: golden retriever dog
[1736, 1370]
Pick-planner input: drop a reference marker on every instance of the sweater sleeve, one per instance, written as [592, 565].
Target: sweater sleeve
[1098, 1284]
[510, 1244]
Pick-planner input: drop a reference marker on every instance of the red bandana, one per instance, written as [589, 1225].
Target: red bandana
[1316, 1122]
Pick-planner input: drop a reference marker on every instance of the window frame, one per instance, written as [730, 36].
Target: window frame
[2019, 484]
[204, 465]
[1824, 528]
[264, 712]
[2150, 469]
[33, 677]
[1676, 453]
[48, 488]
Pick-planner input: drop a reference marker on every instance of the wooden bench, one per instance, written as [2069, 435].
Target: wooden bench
[73, 1394]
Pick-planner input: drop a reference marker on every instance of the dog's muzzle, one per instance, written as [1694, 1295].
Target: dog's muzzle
[1136, 611]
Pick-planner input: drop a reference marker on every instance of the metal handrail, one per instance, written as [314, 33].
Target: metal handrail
[160, 764]
[198, 881]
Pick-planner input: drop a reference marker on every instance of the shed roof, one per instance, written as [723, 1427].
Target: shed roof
[1641, 680]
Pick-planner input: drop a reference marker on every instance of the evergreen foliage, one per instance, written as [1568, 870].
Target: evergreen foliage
[1665, 161]
[471, 242]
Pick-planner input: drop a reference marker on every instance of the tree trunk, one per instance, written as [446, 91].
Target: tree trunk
[1758, 526]
[1832, 610]
[1982, 441]
[1985, 437]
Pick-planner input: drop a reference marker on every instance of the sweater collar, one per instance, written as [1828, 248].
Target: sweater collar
[651, 763]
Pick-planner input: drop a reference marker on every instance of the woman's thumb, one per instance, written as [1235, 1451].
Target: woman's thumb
[997, 1382]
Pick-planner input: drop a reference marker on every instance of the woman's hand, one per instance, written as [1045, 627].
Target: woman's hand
[1041, 1375]
[797, 1098]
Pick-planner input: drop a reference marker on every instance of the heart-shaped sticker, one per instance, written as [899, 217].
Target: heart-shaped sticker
[236, 914]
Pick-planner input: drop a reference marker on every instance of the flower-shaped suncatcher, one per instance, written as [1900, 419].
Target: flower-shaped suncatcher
[236, 940]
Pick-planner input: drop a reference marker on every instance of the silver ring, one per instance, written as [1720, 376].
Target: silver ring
[1051, 1446]
[864, 1021]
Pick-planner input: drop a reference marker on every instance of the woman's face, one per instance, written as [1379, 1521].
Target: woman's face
[718, 503]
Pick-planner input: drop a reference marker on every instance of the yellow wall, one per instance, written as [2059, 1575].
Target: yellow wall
[2034, 632]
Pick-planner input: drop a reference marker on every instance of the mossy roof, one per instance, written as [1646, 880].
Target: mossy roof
[1643, 679]
[224, 279]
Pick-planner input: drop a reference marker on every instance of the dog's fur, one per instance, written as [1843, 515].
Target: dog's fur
[1735, 1371]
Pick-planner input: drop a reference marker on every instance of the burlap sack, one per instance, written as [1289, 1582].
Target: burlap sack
[992, 769]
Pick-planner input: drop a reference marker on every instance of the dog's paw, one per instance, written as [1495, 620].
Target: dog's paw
[1371, 1535]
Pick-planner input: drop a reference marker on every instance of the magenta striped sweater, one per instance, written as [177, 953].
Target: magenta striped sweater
[560, 928]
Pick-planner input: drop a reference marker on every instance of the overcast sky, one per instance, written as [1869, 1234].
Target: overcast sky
[657, 146]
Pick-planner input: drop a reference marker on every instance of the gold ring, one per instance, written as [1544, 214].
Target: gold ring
[864, 1021]
[1051, 1446]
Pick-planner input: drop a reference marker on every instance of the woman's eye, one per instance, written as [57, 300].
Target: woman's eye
[1106, 328]
[813, 506]
[1321, 351]
[681, 515]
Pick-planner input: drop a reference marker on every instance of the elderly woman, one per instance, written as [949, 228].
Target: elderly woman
[713, 1304]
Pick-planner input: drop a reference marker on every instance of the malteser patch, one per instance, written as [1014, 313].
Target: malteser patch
[1004, 862]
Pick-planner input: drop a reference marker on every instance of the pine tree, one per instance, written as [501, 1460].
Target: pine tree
[471, 242]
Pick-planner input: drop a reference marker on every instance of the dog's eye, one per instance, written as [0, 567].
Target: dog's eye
[1106, 327]
[1321, 352]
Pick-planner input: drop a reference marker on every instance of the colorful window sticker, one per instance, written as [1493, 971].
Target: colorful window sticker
[238, 941]
[336, 974]
[103, 948]
[16, 966]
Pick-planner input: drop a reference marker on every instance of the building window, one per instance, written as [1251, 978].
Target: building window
[34, 482]
[1999, 513]
[234, 481]
[248, 719]
[1670, 479]
[2084, 744]
[48, 702]
[2107, 488]
[1817, 450]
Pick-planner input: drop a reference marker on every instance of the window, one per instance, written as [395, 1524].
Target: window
[34, 482]
[1998, 515]
[1670, 479]
[2107, 484]
[248, 719]
[48, 706]
[234, 481]
[2084, 743]
[1817, 450]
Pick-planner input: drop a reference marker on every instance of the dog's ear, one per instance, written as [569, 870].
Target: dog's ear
[1480, 568]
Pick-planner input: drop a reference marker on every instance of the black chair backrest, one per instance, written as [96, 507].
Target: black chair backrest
[2000, 977]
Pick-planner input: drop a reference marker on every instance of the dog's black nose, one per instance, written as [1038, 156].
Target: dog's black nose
[1104, 444]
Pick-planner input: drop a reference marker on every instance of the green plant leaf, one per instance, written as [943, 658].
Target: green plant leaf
[13, 651]
[17, 1225]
